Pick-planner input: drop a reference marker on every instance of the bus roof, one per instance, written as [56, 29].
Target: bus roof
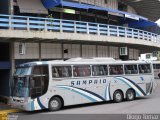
[80, 61]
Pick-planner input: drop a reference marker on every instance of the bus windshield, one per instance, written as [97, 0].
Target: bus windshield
[20, 87]
[30, 81]
[23, 71]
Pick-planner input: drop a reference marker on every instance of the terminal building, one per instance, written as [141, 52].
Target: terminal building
[39, 30]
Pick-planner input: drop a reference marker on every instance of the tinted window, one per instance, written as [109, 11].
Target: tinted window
[40, 70]
[144, 68]
[81, 71]
[39, 81]
[116, 69]
[61, 71]
[131, 69]
[156, 66]
[99, 70]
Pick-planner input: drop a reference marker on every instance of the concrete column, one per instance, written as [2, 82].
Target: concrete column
[12, 58]
[87, 28]
[40, 52]
[80, 50]
[96, 50]
[11, 9]
[62, 50]
[109, 54]
[12, 62]
[28, 28]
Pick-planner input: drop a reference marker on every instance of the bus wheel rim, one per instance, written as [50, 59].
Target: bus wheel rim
[118, 96]
[130, 95]
[54, 103]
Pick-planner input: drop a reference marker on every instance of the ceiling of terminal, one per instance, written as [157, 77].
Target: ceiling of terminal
[146, 8]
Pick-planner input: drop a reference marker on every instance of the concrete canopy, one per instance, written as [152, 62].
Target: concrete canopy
[146, 8]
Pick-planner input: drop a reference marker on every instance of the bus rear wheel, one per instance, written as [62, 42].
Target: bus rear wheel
[130, 95]
[118, 96]
[55, 104]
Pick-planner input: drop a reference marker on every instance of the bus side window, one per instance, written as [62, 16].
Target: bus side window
[144, 68]
[116, 69]
[130, 69]
[99, 70]
[127, 71]
[66, 71]
[55, 72]
[75, 71]
[81, 71]
[61, 71]
[95, 70]
[147, 68]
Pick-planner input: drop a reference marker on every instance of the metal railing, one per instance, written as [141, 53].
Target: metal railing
[60, 25]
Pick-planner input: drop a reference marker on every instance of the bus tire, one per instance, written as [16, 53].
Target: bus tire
[159, 75]
[55, 104]
[118, 96]
[130, 95]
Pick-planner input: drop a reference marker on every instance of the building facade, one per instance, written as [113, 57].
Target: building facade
[63, 29]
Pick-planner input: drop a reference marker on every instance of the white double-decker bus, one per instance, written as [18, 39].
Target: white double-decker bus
[54, 84]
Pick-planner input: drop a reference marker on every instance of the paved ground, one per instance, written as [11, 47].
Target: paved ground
[145, 105]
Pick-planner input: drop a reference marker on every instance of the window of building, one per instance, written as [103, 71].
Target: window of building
[99, 70]
[61, 71]
[156, 66]
[82, 71]
[144, 68]
[105, 1]
[22, 48]
[123, 51]
[122, 6]
[115, 69]
[155, 53]
[131, 69]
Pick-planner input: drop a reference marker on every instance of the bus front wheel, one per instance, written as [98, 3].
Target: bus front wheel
[118, 96]
[55, 104]
[130, 95]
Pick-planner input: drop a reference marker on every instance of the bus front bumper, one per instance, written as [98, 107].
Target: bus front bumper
[21, 104]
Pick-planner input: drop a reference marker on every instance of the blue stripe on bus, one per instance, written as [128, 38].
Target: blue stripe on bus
[100, 97]
[40, 104]
[32, 105]
[128, 85]
[138, 87]
[109, 91]
[86, 96]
